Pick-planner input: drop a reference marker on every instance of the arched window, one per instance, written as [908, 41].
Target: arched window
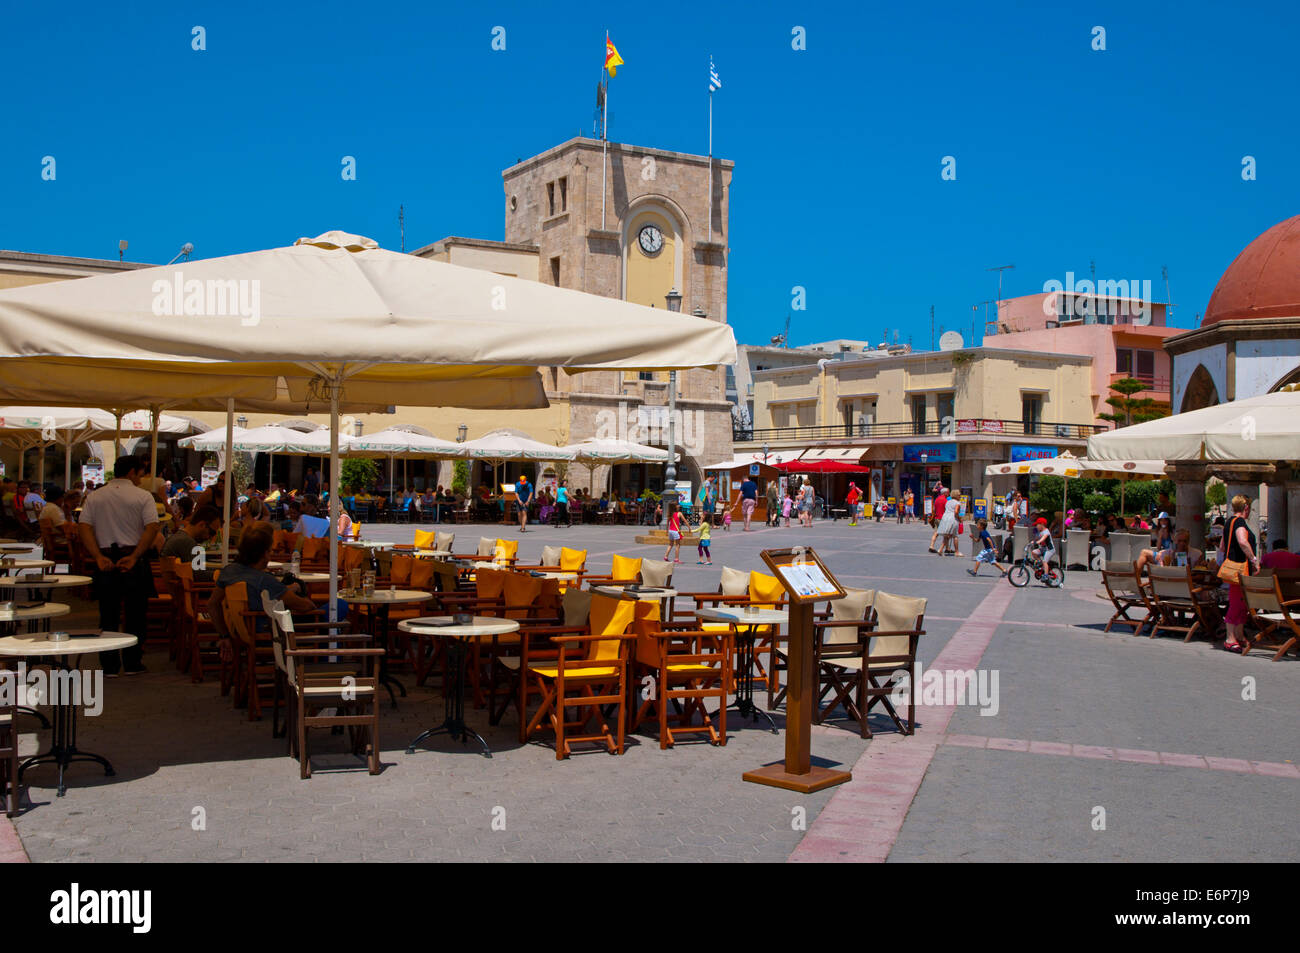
[1200, 392]
[1289, 380]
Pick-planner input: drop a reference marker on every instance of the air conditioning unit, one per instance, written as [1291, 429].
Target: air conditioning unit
[1063, 431]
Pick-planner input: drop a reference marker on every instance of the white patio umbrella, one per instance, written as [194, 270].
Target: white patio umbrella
[395, 442]
[499, 447]
[333, 319]
[1256, 429]
[595, 451]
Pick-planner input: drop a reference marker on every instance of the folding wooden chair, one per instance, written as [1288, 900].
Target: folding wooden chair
[331, 682]
[1126, 592]
[1181, 606]
[883, 652]
[841, 639]
[589, 673]
[9, 740]
[254, 654]
[1278, 629]
[688, 667]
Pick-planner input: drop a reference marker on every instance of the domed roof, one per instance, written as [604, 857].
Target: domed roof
[1263, 281]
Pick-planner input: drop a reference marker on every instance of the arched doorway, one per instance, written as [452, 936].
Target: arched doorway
[1290, 380]
[1200, 392]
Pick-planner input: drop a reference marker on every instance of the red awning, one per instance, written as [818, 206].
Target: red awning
[821, 466]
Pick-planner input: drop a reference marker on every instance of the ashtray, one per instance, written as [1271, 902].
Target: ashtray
[59, 636]
[462, 618]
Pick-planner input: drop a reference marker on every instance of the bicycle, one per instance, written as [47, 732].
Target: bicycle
[1030, 565]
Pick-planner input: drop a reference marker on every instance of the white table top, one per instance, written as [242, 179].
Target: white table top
[741, 616]
[389, 597]
[17, 547]
[434, 553]
[26, 564]
[439, 625]
[50, 610]
[62, 581]
[40, 644]
[369, 545]
[552, 574]
[618, 592]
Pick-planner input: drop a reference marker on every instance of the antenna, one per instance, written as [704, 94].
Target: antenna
[999, 269]
[932, 327]
[183, 253]
[121, 249]
[401, 224]
[1169, 306]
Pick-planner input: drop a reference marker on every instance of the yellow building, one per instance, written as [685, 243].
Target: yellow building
[919, 418]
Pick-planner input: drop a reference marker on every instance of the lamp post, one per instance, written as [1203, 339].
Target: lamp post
[674, 299]
[242, 421]
[925, 480]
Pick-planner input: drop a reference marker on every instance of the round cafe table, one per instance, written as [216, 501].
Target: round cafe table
[748, 619]
[458, 636]
[382, 599]
[63, 746]
[40, 587]
[35, 618]
[17, 547]
[8, 565]
[433, 553]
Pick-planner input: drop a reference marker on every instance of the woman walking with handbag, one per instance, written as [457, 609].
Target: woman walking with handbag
[1237, 554]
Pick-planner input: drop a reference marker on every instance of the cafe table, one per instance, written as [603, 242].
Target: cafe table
[432, 553]
[60, 654]
[17, 547]
[35, 618]
[10, 565]
[39, 587]
[382, 600]
[748, 619]
[308, 576]
[458, 636]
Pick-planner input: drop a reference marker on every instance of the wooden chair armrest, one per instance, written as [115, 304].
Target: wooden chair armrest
[551, 629]
[593, 638]
[328, 653]
[842, 624]
[899, 632]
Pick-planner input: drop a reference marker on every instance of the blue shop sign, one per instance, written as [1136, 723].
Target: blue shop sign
[945, 452]
[1020, 453]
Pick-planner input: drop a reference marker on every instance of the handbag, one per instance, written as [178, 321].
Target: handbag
[1232, 570]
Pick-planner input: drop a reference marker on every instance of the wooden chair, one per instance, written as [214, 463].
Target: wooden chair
[329, 685]
[623, 569]
[1181, 606]
[1126, 592]
[254, 654]
[841, 637]
[316, 553]
[1279, 630]
[589, 673]
[425, 539]
[200, 643]
[689, 667]
[883, 651]
[283, 543]
[9, 740]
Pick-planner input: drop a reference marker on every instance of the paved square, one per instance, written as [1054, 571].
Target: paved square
[1154, 732]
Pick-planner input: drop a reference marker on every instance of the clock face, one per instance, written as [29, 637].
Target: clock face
[650, 239]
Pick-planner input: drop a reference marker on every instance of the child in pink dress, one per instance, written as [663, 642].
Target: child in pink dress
[786, 507]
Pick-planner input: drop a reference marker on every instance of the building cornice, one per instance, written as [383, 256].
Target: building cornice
[1241, 329]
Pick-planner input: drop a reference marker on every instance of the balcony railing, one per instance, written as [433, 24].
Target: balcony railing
[931, 428]
[1153, 383]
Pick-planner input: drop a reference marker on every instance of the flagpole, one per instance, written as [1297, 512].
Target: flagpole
[604, 139]
[710, 150]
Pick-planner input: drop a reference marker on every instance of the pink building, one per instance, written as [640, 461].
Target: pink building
[1123, 335]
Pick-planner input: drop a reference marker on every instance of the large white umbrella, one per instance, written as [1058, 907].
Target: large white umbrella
[500, 447]
[406, 444]
[268, 439]
[332, 319]
[604, 450]
[1256, 429]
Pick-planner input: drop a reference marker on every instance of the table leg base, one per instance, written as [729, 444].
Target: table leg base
[817, 779]
[64, 758]
[452, 729]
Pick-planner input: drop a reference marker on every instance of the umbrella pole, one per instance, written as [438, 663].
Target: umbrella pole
[225, 502]
[335, 490]
[1122, 485]
[117, 434]
[67, 465]
[153, 440]
[1065, 490]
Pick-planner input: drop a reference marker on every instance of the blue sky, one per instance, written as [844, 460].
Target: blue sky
[1130, 156]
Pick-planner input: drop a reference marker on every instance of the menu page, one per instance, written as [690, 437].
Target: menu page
[807, 579]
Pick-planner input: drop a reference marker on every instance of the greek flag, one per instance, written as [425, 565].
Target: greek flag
[714, 82]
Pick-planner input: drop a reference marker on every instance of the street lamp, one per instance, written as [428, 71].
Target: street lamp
[242, 421]
[674, 299]
[461, 432]
[356, 426]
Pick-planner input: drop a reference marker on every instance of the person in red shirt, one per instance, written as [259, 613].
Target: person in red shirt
[940, 504]
[674, 536]
[1280, 558]
[852, 499]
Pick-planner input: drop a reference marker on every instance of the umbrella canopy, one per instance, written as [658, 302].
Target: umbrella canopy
[403, 443]
[500, 446]
[598, 450]
[804, 465]
[332, 309]
[1260, 428]
[269, 439]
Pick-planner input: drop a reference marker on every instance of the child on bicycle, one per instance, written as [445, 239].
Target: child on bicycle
[1042, 550]
[987, 553]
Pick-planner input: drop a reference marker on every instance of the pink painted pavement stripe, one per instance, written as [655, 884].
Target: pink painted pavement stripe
[898, 762]
[1273, 769]
[11, 848]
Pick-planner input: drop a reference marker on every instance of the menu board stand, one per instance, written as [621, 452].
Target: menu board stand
[807, 581]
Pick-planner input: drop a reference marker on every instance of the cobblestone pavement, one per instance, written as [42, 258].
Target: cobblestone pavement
[181, 752]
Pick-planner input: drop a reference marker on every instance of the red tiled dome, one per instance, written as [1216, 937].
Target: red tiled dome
[1263, 281]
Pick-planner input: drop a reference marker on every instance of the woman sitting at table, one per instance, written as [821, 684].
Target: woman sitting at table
[1179, 553]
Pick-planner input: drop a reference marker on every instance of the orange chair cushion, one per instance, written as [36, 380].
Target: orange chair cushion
[572, 560]
[624, 567]
[425, 540]
[313, 549]
[400, 572]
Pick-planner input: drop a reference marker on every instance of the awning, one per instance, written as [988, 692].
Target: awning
[822, 466]
[838, 454]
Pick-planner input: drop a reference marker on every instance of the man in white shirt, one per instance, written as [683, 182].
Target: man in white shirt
[118, 525]
[52, 511]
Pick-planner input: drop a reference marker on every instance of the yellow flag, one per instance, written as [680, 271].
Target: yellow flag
[612, 59]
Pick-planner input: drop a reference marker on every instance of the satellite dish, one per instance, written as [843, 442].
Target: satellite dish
[951, 341]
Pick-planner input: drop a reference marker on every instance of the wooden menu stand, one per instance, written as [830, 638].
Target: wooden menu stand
[796, 772]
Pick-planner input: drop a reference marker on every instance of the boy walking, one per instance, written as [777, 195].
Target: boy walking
[987, 553]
